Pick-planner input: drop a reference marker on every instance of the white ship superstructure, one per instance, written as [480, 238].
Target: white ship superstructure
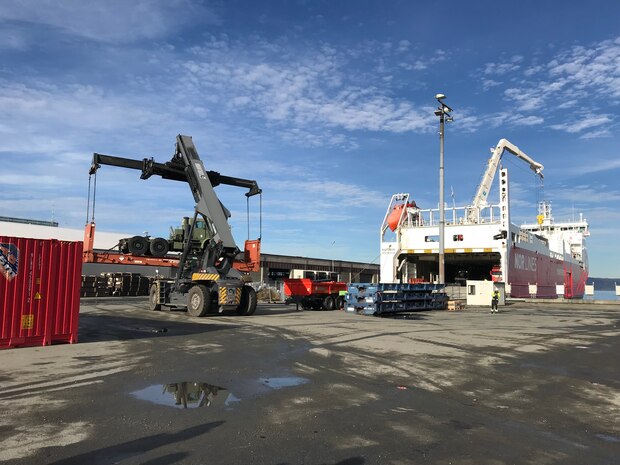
[545, 259]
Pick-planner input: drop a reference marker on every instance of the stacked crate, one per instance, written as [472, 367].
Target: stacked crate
[94, 286]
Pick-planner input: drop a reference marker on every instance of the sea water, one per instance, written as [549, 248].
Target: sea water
[602, 295]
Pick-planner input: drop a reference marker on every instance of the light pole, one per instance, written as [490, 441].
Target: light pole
[443, 111]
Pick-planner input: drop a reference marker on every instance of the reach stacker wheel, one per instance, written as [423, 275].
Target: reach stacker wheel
[198, 300]
[247, 306]
[154, 298]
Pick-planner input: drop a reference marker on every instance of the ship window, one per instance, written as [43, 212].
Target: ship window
[471, 289]
[431, 238]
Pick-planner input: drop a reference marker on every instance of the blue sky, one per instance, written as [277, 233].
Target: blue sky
[327, 104]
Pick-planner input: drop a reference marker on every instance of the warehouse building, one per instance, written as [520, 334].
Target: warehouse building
[274, 268]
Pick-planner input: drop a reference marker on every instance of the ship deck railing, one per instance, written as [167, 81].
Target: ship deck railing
[416, 217]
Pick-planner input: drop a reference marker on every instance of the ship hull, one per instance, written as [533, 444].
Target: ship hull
[535, 274]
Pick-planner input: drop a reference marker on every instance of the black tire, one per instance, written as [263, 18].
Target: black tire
[159, 247]
[340, 300]
[154, 298]
[328, 303]
[198, 300]
[138, 245]
[247, 306]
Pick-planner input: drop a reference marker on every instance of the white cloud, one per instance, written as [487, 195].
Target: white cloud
[34, 111]
[594, 68]
[585, 195]
[520, 120]
[12, 39]
[596, 134]
[578, 76]
[582, 123]
[500, 69]
[345, 194]
[532, 70]
[595, 166]
[312, 89]
[489, 84]
[109, 21]
[403, 46]
[526, 99]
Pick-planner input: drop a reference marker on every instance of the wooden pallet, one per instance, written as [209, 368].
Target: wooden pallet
[454, 305]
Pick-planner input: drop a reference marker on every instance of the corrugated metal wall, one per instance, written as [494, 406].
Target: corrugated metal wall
[39, 291]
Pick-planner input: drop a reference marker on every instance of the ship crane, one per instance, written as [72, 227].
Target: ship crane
[480, 199]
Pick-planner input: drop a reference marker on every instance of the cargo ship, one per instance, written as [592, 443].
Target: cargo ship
[544, 259]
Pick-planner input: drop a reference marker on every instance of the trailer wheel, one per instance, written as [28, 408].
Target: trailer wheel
[198, 300]
[137, 245]
[247, 306]
[154, 298]
[159, 247]
[328, 303]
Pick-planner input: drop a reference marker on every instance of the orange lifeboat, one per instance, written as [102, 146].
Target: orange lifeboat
[394, 218]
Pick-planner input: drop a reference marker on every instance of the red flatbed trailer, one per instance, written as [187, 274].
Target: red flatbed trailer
[251, 261]
[315, 294]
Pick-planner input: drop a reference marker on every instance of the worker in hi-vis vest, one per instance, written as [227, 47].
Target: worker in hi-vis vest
[494, 301]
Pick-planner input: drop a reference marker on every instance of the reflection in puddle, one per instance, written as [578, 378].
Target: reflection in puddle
[181, 395]
[188, 394]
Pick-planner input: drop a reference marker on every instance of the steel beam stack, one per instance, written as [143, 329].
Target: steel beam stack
[115, 284]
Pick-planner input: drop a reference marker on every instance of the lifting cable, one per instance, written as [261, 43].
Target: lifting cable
[88, 199]
[260, 215]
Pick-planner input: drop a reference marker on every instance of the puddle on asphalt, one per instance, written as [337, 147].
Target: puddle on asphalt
[403, 316]
[189, 394]
[279, 383]
[607, 437]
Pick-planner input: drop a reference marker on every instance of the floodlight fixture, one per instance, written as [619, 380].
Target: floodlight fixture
[440, 96]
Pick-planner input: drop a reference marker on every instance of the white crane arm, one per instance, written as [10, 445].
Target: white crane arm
[480, 199]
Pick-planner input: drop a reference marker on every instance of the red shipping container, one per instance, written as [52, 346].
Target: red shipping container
[39, 291]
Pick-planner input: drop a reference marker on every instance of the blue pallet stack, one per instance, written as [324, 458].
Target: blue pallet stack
[391, 298]
[396, 298]
[362, 298]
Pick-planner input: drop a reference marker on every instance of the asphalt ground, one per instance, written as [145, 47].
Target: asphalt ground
[534, 384]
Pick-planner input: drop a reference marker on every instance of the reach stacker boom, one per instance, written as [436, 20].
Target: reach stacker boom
[206, 280]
